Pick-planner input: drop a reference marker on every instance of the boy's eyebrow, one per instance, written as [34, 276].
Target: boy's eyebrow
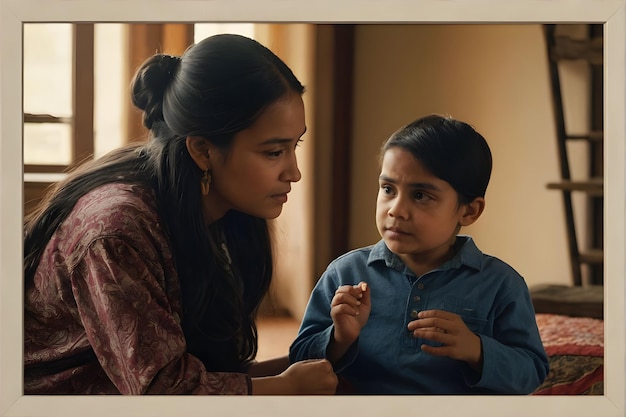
[278, 141]
[420, 185]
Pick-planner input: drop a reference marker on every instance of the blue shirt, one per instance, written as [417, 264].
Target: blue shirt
[490, 296]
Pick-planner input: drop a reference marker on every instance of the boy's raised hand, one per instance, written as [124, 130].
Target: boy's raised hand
[449, 329]
[350, 308]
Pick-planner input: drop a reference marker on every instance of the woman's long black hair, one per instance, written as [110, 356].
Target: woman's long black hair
[217, 88]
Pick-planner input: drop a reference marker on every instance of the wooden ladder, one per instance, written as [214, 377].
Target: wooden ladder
[585, 296]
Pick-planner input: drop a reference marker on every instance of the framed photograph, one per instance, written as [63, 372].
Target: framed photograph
[15, 13]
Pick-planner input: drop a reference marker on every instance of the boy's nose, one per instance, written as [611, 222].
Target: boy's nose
[398, 209]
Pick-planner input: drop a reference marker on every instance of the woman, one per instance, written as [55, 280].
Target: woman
[145, 269]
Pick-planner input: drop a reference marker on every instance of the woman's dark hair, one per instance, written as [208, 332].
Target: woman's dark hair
[451, 150]
[217, 88]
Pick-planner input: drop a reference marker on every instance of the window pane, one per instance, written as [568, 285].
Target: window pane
[48, 68]
[111, 87]
[47, 90]
[47, 143]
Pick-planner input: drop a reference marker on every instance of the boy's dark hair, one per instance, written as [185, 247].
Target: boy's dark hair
[450, 149]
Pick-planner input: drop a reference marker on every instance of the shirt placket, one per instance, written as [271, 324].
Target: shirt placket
[416, 302]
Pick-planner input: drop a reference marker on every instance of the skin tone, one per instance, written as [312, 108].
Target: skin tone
[418, 215]
[254, 176]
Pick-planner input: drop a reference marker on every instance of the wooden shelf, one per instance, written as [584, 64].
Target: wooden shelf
[566, 48]
[583, 43]
[593, 136]
[577, 301]
[593, 186]
[592, 256]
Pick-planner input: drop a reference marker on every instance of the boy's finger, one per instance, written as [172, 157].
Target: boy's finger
[344, 298]
[344, 309]
[364, 292]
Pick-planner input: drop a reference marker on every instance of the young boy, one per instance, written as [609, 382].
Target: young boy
[424, 311]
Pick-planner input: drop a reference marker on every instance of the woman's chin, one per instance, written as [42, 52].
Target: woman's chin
[269, 214]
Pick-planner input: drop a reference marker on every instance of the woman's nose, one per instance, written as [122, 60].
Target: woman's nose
[292, 173]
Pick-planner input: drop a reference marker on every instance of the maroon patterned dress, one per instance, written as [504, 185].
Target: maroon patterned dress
[102, 315]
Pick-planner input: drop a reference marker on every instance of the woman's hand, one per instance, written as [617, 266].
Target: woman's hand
[449, 329]
[268, 367]
[309, 377]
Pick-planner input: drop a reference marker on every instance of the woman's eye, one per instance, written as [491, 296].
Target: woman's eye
[275, 154]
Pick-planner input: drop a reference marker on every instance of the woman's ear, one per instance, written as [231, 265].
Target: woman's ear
[472, 211]
[198, 148]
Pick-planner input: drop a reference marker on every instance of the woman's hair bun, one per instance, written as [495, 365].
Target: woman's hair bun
[150, 83]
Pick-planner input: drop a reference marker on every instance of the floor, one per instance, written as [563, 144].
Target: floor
[275, 336]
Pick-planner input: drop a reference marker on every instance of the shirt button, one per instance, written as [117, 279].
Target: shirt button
[420, 286]
[417, 298]
[414, 314]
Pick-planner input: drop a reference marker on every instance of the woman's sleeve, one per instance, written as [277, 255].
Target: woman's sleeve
[130, 323]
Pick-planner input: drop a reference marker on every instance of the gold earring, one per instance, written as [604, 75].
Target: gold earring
[205, 182]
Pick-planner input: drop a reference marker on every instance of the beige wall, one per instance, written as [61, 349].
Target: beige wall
[494, 77]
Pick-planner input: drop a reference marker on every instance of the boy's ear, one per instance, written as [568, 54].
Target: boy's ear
[198, 148]
[472, 211]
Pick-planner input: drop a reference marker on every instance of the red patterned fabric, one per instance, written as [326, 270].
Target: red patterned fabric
[103, 313]
[575, 346]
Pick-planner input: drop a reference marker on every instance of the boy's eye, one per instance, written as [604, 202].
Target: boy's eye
[386, 189]
[421, 196]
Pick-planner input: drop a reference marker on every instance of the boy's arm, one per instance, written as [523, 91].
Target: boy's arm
[317, 326]
[514, 359]
[317, 337]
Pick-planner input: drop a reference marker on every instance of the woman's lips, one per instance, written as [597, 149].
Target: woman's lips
[280, 197]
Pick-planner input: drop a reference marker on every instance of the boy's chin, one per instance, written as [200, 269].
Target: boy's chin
[395, 246]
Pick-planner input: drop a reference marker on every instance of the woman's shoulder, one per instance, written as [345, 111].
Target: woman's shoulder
[115, 209]
[110, 198]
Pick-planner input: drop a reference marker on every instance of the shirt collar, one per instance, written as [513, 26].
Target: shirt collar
[468, 255]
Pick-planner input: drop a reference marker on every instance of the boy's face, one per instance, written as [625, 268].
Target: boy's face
[417, 214]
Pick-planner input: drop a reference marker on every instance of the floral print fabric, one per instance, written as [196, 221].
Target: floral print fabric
[102, 315]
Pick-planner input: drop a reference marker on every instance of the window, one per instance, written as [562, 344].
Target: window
[61, 94]
[48, 101]
[76, 77]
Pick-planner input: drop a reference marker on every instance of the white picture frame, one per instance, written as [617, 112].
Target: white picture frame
[13, 13]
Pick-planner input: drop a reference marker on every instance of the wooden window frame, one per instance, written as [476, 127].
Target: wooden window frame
[82, 118]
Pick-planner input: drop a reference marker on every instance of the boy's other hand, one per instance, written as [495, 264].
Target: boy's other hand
[449, 329]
